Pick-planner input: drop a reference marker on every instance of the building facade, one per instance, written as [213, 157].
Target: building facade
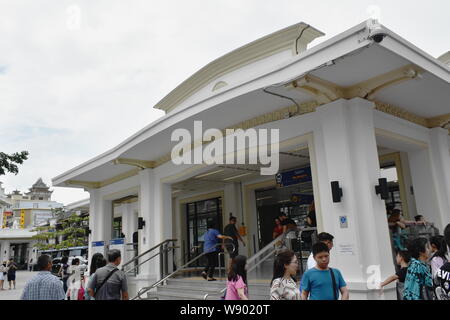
[346, 111]
[24, 213]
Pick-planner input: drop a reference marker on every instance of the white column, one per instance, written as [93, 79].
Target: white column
[440, 166]
[5, 247]
[155, 207]
[345, 151]
[430, 171]
[100, 219]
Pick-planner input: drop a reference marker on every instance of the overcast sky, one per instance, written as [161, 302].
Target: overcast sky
[79, 77]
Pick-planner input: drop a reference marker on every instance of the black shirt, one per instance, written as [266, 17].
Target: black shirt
[231, 231]
[401, 274]
[442, 283]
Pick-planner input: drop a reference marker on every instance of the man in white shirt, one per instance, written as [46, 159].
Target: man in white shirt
[322, 237]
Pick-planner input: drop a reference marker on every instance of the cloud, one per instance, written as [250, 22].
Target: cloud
[78, 77]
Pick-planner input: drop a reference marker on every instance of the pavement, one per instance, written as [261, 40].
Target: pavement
[22, 278]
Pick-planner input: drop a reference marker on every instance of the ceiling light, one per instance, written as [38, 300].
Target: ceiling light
[240, 175]
[208, 174]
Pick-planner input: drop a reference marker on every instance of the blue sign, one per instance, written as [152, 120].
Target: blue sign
[288, 178]
[98, 243]
[117, 241]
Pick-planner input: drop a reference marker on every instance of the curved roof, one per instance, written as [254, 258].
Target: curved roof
[285, 39]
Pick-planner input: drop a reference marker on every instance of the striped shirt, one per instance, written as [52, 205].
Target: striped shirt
[43, 286]
[284, 289]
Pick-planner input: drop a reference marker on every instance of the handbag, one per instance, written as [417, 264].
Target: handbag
[81, 293]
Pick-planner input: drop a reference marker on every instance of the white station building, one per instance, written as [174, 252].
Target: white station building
[347, 109]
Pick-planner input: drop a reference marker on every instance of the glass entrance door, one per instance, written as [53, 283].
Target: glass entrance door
[198, 214]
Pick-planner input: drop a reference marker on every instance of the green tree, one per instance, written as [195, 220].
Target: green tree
[8, 162]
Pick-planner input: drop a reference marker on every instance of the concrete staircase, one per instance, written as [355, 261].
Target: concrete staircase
[196, 288]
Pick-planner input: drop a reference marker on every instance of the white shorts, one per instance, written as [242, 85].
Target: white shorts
[2, 277]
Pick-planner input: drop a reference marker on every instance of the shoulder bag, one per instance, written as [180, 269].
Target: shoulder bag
[104, 281]
[334, 285]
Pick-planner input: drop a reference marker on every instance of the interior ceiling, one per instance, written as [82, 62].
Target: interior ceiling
[216, 179]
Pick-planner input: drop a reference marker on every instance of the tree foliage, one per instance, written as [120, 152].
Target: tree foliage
[8, 163]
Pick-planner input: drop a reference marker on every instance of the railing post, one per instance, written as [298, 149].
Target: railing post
[220, 266]
[161, 267]
[166, 259]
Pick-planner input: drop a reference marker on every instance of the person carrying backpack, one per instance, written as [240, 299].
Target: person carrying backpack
[442, 278]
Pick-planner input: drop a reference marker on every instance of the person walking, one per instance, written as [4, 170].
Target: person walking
[3, 273]
[211, 238]
[442, 277]
[324, 238]
[440, 255]
[322, 282]
[108, 282]
[231, 231]
[402, 258]
[63, 271]
[44, 285]
[74, 281]
[12, 268]
[30, 265]
[418, 278]
[93, 266]
[237, 288]
[284, 285]
[278, 229]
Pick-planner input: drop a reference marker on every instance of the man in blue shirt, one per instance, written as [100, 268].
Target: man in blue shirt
[317, 283]
[211, 249]
[44, 285]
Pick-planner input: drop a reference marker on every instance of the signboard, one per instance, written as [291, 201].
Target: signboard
[343, 222]
[42, 217]
[118, 244]
[288, 178]
[22, 219]
[8, 218]
[98, 247]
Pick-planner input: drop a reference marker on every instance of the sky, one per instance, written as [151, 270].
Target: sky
[78, 77]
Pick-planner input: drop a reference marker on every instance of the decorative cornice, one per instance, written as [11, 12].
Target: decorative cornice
[282, 40]
[324, 91]
[400, 113]
[142, 164]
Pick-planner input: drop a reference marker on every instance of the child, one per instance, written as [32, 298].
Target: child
[402, 259]
[237, 288]
[418, 278]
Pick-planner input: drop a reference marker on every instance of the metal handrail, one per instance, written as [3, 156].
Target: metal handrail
[167, 249]
[144, 253]
[263, 250]
[157, 283]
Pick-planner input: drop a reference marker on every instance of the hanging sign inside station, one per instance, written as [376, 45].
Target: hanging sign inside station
[288, 178]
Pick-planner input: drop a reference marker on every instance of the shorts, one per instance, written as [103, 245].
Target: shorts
[229, 247]
[11, 277]
[2, 277]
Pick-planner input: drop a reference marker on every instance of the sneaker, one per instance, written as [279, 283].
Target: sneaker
[204, 275]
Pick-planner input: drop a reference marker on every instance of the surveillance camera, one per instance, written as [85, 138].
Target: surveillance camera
[376, 32]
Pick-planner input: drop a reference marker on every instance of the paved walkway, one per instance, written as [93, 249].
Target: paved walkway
[22, 278]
